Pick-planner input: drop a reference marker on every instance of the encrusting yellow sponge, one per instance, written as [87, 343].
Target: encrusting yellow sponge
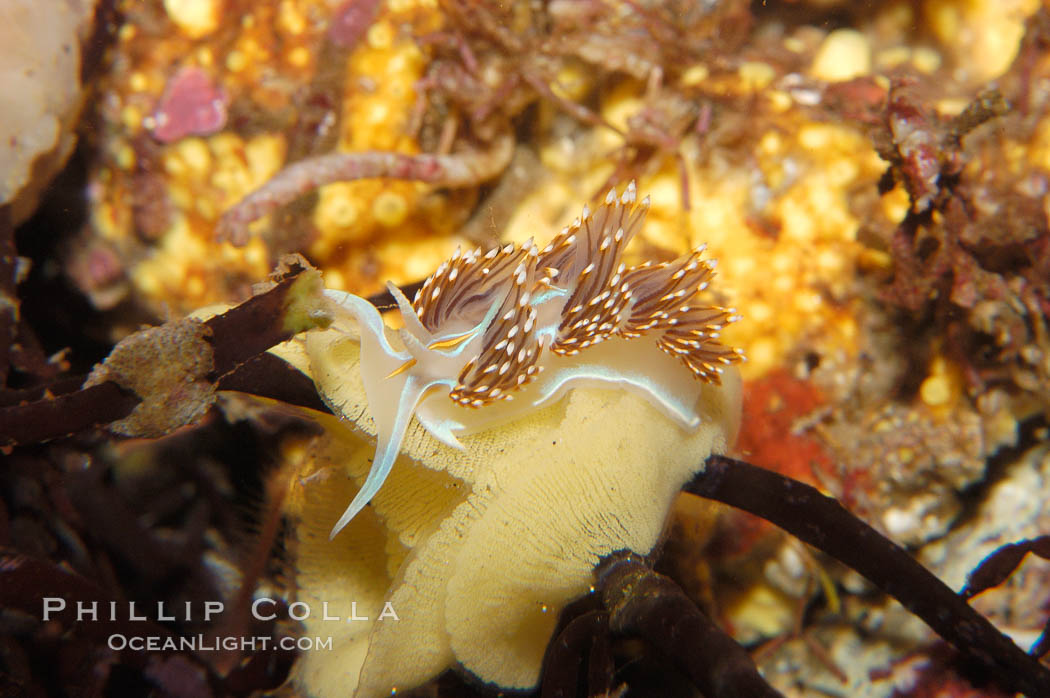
[479, 550]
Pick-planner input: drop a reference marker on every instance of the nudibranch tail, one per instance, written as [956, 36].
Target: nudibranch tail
[484, 327]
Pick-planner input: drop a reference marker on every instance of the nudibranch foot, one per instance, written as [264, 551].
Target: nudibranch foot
[518, 321]
[636, 367]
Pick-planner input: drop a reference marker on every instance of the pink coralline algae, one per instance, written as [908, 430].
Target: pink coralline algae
[192, 105]
[351, 20]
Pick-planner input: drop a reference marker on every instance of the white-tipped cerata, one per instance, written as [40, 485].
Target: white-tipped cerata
[520, 322]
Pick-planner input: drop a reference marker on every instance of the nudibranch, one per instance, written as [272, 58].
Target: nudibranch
[489, 337]
[538, 410]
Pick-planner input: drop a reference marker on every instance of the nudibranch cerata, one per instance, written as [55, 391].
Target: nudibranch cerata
[491, 336]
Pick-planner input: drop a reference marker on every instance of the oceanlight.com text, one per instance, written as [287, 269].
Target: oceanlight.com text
[202, 643]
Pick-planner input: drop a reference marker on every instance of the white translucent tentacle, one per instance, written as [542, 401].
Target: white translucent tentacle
[392, 395]
[408, 314]
[373, 331]
[390, 434]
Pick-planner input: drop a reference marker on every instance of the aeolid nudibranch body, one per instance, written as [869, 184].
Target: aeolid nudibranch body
[539, 410]
[490, 336]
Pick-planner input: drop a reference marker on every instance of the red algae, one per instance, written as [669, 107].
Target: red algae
[192, 105]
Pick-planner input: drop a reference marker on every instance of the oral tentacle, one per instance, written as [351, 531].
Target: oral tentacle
[393, 391]
[389, 435]
[375, 349]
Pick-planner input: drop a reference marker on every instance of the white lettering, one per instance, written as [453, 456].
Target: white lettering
[255, 609]
[53, 604]
[292, 611]
[87, 609]
[211, 608]
[388, 612]
[160, 612]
